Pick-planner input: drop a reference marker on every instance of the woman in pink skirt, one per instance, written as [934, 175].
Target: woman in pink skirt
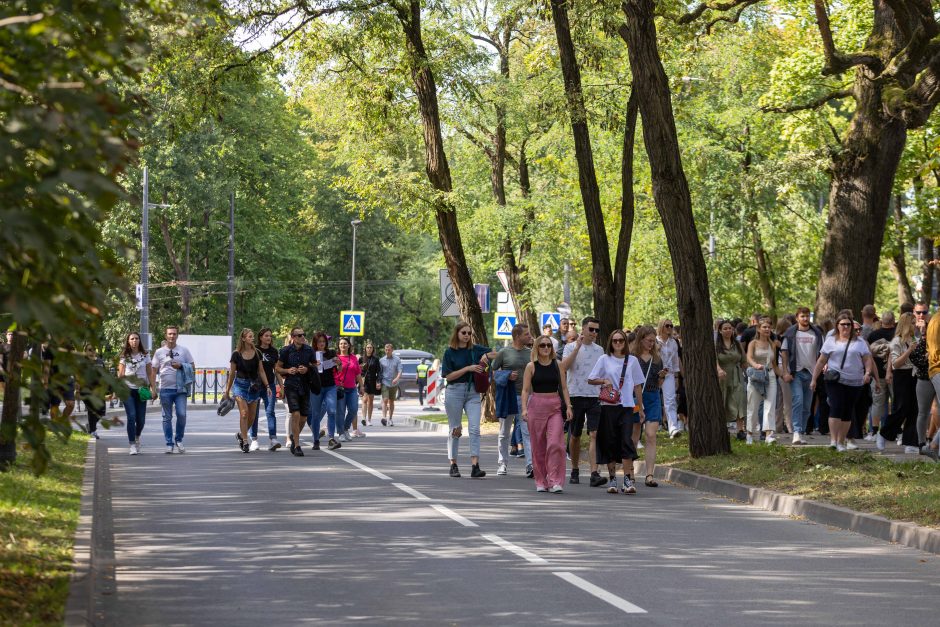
[544, 400]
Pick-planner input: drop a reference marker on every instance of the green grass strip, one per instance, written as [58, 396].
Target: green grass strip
[38, 516]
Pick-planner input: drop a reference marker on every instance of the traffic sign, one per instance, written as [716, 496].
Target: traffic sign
[449, 306]
[502, 328]
[352, 322]
[553, 318]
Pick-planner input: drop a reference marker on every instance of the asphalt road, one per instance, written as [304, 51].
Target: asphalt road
[379, 534]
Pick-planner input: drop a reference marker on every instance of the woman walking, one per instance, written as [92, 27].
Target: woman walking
[544, 400]
[731, 375]
[900, 375]
[461, 360]
[350, 380]
[850, 367]
[269, 356]
[247, 377]
[646, 350]
[324, 401]
[621, 379]
[672, 365]
[372, 381]
[135, 369]
[762, 383]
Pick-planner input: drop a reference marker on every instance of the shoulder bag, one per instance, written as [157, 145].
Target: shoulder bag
[832, 376]
[481, 380]
[610, 394]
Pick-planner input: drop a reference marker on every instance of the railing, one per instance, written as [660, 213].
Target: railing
[209, 381]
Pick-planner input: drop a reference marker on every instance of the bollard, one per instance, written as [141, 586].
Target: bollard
[434, 389]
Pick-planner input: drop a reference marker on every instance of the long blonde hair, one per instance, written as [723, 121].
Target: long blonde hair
[642, 333]
[905, 330]
[244, 345]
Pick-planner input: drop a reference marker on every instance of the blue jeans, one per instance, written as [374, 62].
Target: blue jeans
[504, 439]
[169, 399]
[516, 439]
[322, 403]
[348, 406]
[461, 397]
[269, 402]
[802, 400]
[136, 410]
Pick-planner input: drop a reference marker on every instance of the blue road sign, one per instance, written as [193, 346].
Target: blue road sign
[553, 318]
[502, 327]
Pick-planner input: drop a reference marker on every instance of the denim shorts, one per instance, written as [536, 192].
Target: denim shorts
[242, 389]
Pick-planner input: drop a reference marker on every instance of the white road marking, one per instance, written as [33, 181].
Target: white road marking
[512, 548]
[466, 522]
[371, 471]
[600, 593]
[411, 491]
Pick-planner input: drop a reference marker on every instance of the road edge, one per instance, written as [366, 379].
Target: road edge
[79, 599]
[872, 525]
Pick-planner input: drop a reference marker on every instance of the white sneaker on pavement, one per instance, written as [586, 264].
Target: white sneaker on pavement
[911, 450]
[134, 450]
[180, 447]
[851, 446]
[840, 448]
[880, 442]
[797, 439]
[750, 439]
[254, 445]
[770, 439]
[169, 448]
[869, 437]
[501, 470]
[274, 445]
[556, 489]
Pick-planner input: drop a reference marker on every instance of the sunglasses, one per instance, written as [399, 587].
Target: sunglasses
[920, 313]
[845, 324]
[617, 340]
[594, 329]
[667, 326]
[299, 335]
[545, 345]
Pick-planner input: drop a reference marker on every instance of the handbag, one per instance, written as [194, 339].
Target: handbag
[832, 376]
[610, 394]
[481, 380]
[144, 394]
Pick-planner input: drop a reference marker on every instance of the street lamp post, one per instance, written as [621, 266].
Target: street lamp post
[352, 283]
[145, 263]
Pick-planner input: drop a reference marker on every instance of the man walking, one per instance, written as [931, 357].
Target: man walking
[580, 358]
[294, 363]
[391, 374]
[176, 370]
[514, 357]
[798, 353]
[421, 378]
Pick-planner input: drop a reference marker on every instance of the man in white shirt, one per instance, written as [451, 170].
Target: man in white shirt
[166, 362]
[580, 357]
[799, 351]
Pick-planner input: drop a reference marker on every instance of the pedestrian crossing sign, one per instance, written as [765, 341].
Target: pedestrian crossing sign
[352, 322]
[503, 326]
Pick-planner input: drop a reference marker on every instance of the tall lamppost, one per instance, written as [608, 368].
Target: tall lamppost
[352, 283]
[145, 263]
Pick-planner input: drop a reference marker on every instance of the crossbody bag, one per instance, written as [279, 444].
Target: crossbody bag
[610, 394]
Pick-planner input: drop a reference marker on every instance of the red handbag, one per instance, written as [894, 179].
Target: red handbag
[481, 380]
[610, 394]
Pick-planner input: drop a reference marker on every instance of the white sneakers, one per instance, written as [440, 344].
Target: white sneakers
[501, 470]
[556, 489]
[911, 450]
[850, 445]
[750, 439]
[169, 449]
[770, 439]
[797, 439]
[254, 445]
[180, 448]
[880, 442]
[134, 449]
[274, 445]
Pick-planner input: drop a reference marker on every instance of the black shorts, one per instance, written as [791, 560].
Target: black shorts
[59, 394]
[297, 399]
[842, 399]
[585, 409]
[372, 386]
[615, 436]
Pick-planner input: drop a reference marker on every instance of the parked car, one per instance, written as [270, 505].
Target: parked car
[410, 358]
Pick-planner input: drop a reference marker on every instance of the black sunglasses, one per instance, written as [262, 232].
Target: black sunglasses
[545, 345]
[920, 313]
[299, 335]
[594, 329]
[667, 326]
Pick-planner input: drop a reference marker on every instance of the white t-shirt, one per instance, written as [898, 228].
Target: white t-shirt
[161, 363]
[669, 351]
[853, 372]
[135, 366]
[897, 348]
[806, 354]
[608, 367]
[580, 371]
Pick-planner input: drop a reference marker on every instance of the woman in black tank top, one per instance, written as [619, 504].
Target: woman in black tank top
[249, 381]
[544, 401]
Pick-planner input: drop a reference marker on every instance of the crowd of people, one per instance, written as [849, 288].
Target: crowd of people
[876, 378]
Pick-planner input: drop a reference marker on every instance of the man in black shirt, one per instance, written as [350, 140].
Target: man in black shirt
[294, 363]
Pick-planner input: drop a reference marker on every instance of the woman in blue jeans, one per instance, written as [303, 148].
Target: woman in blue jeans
[324, 402]
[461, 360]
[135, 369]
[646, 350]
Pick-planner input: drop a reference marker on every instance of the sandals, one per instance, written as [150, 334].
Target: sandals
[650, 482]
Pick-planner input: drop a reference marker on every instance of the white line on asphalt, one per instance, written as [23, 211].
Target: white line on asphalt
[512, 548]
[411, 491]
[371, 471]
[454, 515]
[600, 593]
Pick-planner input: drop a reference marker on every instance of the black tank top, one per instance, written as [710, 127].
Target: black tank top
[545, 379]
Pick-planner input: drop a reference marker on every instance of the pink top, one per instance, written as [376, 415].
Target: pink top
[351, 370]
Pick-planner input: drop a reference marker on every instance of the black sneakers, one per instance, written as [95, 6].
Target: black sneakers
[575, 476]
[316, 446]
[453, 471]
[529, 472]
[597, 480]
[476, 473]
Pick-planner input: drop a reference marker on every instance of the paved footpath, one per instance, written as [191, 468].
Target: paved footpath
[379, 534]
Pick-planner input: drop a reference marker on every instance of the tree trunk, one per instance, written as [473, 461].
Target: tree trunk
[860, 190]
[768, 296]
[708, 434]
[927, 269]
[437, 169]
[627, 204]
[11, 403]
[605, 300]
[182, 275]
[898, 261]
[525, 244]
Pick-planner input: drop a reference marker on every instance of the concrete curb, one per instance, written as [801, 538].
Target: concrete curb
[422, 425]
[80, 594]
[93, 581]
[871, 525]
